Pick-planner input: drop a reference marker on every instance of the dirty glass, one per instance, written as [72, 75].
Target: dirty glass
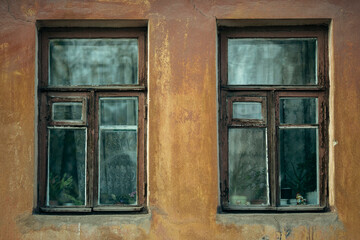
[93, 62]
[66, 167]
[248, 184]
[256, 61]
[67, 111]
[118, 112]
[118, 151]
[298, 111]
[299, 166]
[247, 110]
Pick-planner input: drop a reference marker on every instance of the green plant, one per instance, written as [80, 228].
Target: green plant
[61, 189]
[125, 198]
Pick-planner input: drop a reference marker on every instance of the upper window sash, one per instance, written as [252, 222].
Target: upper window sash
[57, 49]
[269, 40]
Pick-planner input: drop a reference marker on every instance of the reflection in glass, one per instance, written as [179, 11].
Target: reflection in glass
[248, 166]
[118, 111]
[298, 111]
[67, 111]
[118, 150]
[76, 62]
[272, 61]
[298, 165]
[247, 110]
[66, 167]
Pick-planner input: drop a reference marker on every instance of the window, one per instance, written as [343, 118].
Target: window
[273, 98]
[92, 120]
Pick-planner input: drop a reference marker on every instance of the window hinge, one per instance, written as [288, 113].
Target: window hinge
[145, 111]
[145, 189]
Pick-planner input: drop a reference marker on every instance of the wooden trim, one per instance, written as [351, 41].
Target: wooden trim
[236, 121]
[272, 151]
[65, 209]
[42, 149]
[223, 150]
[112, 88]
[91, 23]
[93, 32]
[274, 31]
[236, 208]
[118, 209]
[238, 88]
[44, 59]
[82, 100]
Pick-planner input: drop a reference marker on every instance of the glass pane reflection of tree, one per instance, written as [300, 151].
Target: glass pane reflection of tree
[248, 166]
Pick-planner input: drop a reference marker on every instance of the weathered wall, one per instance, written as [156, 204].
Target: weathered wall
[182, 155]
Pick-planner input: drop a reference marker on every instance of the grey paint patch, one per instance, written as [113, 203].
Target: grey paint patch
[282, 222]
[29, 223]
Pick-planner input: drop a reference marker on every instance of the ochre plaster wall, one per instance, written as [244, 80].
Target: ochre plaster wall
[182, 144]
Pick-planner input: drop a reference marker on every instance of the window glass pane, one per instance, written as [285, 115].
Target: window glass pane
[298, 111]
[76, 62]
[299, 166]
[67, 111]
[118, 111]
[248, 184]
[118, 150]
[247, 110]
[272, 61]
[66, 167]
[118, 164]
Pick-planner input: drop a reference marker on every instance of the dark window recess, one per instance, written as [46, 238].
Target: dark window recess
[92, 120]
[273, 98]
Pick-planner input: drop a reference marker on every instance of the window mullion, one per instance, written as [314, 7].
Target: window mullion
[91, 151]
[272, 158]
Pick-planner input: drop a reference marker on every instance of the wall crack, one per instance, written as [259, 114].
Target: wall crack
[198, 10]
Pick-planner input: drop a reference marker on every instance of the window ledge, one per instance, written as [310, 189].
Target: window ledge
[34, 222]
[89, 210]
[280, 220]
[302, 208]
[117, 209]
[97, 210]
[65, 210]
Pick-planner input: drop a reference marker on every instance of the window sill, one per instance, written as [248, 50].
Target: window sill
[264, 209]
[280, 220]
[97, 210]
[118, 209]
[65, 210]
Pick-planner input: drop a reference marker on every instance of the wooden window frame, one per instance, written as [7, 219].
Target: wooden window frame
[245, 122]
[76, 99]
[229, 93]
[89, 97]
